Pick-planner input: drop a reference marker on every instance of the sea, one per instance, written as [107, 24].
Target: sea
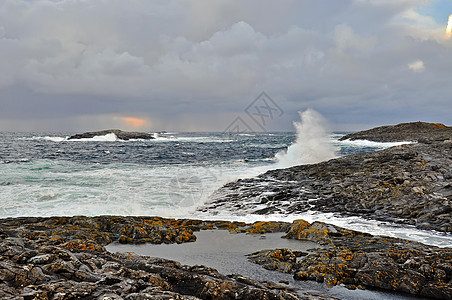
[47, 174]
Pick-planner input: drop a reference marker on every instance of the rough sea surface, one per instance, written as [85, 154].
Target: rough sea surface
[44, 174]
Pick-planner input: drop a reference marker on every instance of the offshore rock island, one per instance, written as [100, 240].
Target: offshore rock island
[67, 258]
[122, 135]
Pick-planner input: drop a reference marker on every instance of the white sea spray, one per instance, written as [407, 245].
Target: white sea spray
[312, 143]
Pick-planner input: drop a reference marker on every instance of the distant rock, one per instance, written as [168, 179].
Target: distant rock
[415, 131]
[123, 135]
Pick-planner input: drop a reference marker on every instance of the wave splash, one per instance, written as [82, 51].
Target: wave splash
[110, 137]
[370, 144]
[312, 143]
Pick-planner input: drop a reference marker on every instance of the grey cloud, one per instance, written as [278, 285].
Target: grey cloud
[348, 59]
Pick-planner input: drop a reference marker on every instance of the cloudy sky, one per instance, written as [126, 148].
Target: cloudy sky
[196, 65]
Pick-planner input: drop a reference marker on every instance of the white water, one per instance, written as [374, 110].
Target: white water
[312, 144]
[354, 223]
[111, 137]
[50, 188]
[371, 144]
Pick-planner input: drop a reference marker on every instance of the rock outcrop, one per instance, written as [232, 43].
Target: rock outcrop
[361, 260]
[29, 271]
[123, 135]
[415, 131]
[408, 184]
[65, 257]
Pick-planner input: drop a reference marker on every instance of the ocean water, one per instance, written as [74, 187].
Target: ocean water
[45, 174]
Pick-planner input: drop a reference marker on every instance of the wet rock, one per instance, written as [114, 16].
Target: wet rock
[42, 259]
[37, 261]
[278, 259]
[355, 259]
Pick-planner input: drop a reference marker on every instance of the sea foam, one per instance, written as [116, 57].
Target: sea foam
[370, 144]
[110, 137]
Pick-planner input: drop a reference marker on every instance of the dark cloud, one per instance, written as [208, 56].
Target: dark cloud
[202, 62]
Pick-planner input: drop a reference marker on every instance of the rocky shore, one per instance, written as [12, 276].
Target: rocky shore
[65, 258]
[362, 260]
[123, 135]
[408, 184]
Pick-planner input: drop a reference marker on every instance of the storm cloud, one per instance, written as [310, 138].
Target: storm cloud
[195, 65]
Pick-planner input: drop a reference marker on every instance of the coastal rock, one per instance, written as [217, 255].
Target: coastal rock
[123, 135]
[415, 131]
[357, 259]
[408, 184]
[278, 259]
[87, 274]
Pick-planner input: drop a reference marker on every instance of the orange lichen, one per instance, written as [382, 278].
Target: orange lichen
[346, 255]
[263, 227]
[83, 246]
[439, 125]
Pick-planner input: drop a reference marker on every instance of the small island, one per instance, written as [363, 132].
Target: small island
[123, 135]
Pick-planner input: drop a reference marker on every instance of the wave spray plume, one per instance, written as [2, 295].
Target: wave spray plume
[312, 144]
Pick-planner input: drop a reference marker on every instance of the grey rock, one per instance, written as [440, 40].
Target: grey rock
[123, 135]
[416, 131]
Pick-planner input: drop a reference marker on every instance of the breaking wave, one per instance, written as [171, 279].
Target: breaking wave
[312, 143]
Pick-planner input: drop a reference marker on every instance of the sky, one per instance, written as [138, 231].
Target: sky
[203, 65]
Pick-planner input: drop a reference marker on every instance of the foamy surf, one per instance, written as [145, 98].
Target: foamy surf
[55, 139]
[370, 144]
[354, 223]
[111, 137]
[50, 188]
